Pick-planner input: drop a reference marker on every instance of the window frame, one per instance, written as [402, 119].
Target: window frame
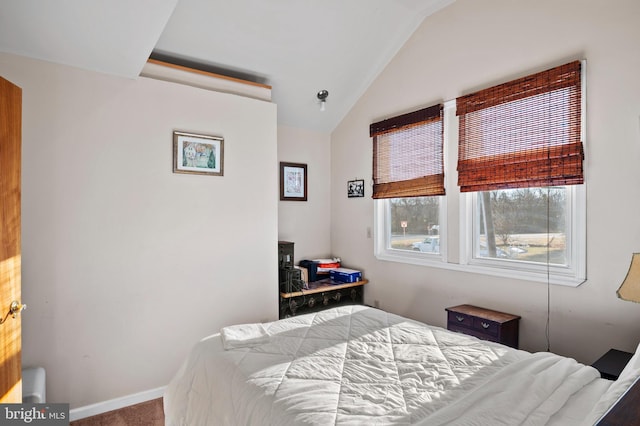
[382, 237]
[573, 274]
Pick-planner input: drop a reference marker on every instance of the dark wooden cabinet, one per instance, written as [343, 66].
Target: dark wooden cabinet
[484, 323]
[626, 411]
[321, 295]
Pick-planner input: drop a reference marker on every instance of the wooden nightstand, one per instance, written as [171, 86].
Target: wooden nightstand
[484, 323]
[611, 364]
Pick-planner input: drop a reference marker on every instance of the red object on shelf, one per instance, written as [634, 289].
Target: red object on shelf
[329, 265]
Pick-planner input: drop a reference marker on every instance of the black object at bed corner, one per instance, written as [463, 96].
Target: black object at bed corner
[626, 412]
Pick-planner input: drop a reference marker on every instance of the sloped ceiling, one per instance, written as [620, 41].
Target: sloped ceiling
[113, 37]
[296, 46]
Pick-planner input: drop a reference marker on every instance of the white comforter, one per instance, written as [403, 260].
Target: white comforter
[362, 366]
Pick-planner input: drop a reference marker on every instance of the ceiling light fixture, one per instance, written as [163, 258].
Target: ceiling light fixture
[322, 97]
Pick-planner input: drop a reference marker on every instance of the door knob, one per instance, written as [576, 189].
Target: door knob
[14, 309]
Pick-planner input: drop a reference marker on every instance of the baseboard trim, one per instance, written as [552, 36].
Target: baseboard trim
[115, 404]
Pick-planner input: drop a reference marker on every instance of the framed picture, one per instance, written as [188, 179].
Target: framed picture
[198, 154]
[355, 188]
[293, 182]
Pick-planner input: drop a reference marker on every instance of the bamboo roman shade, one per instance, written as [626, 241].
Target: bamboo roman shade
[524, 133]
[407, 155]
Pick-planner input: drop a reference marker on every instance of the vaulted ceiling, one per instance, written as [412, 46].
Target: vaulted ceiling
[298, 47]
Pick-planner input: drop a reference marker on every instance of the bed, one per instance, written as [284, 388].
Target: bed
[356, 365]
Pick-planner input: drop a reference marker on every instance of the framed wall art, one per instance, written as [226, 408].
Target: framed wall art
[293, 182]
[198, 154]
[355, 188]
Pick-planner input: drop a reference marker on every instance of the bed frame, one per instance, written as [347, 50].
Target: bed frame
[626, 412]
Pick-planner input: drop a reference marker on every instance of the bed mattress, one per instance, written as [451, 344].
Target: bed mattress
[356, 365]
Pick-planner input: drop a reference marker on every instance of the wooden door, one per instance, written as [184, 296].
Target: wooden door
[10, 152]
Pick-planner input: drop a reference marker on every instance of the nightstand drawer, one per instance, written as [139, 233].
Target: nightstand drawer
[486, 326]
[460, 319]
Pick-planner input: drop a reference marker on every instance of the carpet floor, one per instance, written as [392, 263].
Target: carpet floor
[148, 413]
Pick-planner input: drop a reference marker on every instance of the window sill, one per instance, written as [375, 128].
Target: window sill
[437, 261]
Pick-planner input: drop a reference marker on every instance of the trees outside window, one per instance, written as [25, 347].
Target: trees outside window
[527, 224]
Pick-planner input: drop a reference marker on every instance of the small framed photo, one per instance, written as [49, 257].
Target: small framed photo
[198, 154]
[355, 188]
[293, 182]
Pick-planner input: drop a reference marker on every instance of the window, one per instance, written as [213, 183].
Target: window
[526, 225]
[519, 154]
[411, 229]
[408, 181]
[538, 234]
[520, 177]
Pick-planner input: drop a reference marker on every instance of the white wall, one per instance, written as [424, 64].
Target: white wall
[126, 264]
[307, 224]
[471, 45]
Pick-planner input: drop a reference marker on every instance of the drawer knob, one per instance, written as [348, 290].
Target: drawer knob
[459, 318]
[485, 325]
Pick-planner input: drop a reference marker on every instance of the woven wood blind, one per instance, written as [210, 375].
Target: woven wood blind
[407, 155]
[525, 133]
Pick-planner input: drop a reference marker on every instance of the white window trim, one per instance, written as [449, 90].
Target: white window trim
[572, 275]
[460, 205]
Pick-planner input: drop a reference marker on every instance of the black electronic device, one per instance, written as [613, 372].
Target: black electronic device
[285, 266]
[291, 280]
[285, 254]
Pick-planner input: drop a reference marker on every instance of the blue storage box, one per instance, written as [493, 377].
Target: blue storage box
[345, 275]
